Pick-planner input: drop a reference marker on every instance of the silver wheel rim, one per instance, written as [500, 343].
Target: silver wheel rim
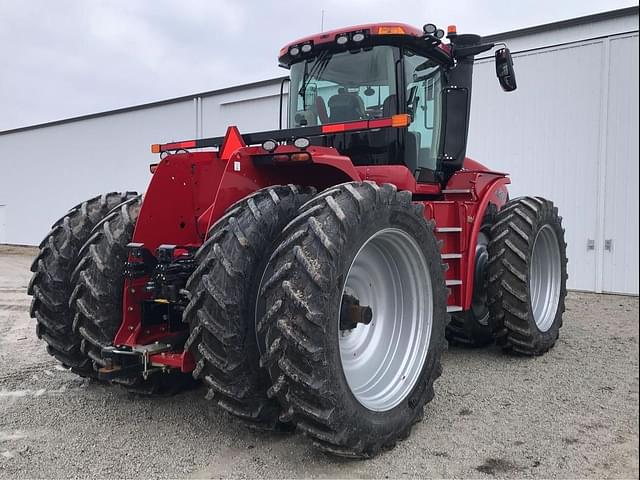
[382, 361]
[545, 278]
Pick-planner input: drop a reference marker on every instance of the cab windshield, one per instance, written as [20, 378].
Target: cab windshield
[343, 87]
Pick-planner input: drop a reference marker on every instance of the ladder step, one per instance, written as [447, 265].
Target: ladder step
[448, 256]
[454, 308]
[448, 229]
[450, 283]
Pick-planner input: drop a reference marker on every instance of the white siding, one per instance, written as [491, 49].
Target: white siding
[546, 135]
[620, 263]
[571, 126]
[599, 29]
[46, 171]
[3, 224]
[249, 114]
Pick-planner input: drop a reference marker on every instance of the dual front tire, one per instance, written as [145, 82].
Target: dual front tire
[77, 286]
[519, 291]
[527, 275]
[53, 283]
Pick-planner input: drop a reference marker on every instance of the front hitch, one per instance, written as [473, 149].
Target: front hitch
[131, 362]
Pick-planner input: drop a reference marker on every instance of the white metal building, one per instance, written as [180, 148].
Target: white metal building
[569, 133]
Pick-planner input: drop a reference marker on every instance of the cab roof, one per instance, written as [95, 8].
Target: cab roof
[387, 29]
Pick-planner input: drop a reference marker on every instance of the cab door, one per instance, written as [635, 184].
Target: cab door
[424, 104]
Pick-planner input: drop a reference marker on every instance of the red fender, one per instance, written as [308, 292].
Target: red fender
[241, 176]
[497, 194]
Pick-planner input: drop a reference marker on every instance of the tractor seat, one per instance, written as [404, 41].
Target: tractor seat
[389, 106]
[345, 106]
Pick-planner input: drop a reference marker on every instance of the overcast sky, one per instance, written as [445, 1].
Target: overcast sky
[66, 58]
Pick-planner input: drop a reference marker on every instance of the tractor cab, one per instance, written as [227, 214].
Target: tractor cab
[388, 70]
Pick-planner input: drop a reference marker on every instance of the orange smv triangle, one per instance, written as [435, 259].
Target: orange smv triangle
[232, 141]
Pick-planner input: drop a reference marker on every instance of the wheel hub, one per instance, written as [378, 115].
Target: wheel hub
[480, 281]
[352, 313]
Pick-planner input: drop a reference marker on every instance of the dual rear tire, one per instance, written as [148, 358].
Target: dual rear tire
[355, 389]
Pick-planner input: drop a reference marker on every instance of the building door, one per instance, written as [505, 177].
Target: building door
[619, 240]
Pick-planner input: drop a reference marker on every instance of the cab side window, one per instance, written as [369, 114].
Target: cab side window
[423, 80]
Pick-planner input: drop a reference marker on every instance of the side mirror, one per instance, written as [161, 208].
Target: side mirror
[504, 70]
[412, 101]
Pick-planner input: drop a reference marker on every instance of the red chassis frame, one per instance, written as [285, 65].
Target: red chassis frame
[190, 191]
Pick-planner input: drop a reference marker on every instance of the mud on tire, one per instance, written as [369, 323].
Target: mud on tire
[527, 275]
[51, 285]
[221, 311]
[299, 311]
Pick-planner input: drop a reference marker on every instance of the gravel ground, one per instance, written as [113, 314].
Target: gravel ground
[571, 413]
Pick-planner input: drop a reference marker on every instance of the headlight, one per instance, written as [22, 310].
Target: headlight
[293, 51]
[301, 143]
[358, 37]
[269, 145]
[306, 48]
[429, 29]
[342, 39]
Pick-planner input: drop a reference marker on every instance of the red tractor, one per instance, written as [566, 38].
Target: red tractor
[310, 276]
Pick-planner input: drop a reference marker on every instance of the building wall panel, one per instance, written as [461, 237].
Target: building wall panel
[546, 134]
[46, 171]
[620, 259]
